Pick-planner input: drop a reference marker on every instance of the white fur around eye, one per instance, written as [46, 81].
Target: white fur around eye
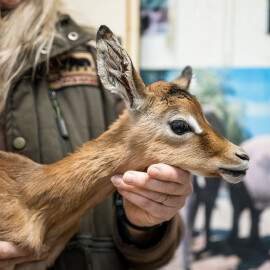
[194, 124]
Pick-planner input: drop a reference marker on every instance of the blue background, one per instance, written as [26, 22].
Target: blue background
[250, 89]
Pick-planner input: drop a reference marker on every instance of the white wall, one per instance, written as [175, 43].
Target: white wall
[98, 12]
[211, 33]
[121, 16]
[252, 42]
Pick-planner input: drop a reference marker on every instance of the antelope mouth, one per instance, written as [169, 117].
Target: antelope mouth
[233, 175]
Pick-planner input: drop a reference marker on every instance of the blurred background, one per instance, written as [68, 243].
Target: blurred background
[227, 43]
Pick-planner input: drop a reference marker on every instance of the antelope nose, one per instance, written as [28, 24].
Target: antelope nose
[242, 156]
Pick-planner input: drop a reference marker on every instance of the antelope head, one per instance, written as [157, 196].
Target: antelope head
[166, 121]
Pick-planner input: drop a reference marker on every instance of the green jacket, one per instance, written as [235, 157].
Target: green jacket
[53, 114]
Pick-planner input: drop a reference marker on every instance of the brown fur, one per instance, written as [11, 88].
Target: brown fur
[41, 205]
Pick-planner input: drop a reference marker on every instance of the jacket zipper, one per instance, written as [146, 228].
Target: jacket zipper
[60, 123]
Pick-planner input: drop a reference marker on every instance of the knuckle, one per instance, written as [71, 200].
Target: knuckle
[146, 182]
[169, 172]
[166, 187]
[141, 179]
[179, 189]
[184, 177]
[183, 190]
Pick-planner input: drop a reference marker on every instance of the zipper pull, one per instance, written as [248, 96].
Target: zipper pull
[59, 119]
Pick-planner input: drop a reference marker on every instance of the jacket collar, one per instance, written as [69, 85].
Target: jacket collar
[70, 36]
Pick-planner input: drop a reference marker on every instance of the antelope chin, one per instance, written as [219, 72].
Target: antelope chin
[233, 175]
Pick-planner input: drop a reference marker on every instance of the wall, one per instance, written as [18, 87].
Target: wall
[211, 33]
[96, 13]
[122, 16]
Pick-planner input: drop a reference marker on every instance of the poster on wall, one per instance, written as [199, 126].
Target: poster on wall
[156, 38]
[154, 17]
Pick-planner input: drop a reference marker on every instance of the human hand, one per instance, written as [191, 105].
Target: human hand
[155, 196]
[11, 254]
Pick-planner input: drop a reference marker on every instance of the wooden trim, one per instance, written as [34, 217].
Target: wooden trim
[133, 30]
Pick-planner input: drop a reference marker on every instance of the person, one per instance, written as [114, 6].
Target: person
[51, 103]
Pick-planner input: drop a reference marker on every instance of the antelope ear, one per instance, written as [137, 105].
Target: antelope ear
[183, 82]
[116, 70]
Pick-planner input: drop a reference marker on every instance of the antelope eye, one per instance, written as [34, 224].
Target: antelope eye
[180, 127]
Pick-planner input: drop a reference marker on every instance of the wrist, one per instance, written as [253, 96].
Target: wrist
[122, 215]
[143, 237]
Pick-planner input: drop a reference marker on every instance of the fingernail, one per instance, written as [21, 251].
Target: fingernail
[129, 178]
[116, 180]
[154, 171]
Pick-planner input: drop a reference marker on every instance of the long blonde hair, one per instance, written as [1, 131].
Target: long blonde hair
[24, 32]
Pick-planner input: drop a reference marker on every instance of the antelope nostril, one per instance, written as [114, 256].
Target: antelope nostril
[242, 156]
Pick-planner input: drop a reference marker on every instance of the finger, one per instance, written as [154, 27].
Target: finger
[8, 250]
[157, 210]
[174, 201]
[169, 173]
[142, 180]
[177, 201]
[152, 195]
